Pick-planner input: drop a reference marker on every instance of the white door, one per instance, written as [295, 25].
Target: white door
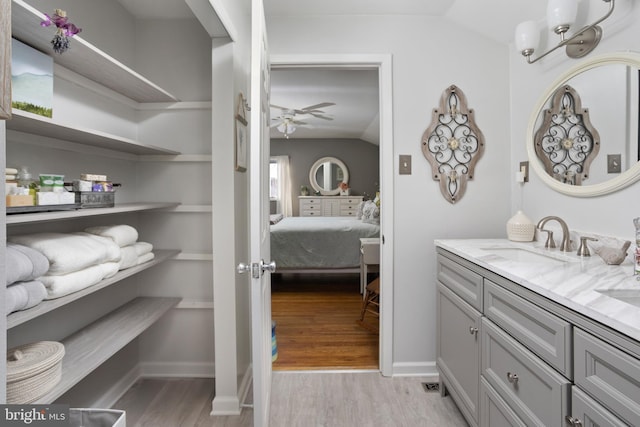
[259, 218]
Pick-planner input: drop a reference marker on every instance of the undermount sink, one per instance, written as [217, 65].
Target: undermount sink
[527, 255]
[630, 296]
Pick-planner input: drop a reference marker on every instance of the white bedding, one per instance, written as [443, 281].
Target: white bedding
[319, 242]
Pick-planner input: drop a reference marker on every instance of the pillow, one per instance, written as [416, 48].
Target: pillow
[370, 213]
[275, 218]
[359, 211]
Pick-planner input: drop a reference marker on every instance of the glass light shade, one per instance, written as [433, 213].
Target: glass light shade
[527, 36]
[561, 13]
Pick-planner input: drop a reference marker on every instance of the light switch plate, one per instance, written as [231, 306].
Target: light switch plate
[405, 164]
[613, 163]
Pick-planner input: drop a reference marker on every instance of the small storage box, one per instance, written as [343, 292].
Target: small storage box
[89, 199]
[33, 370]
[96, 417]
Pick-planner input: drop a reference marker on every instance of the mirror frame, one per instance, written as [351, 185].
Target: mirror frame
[612, 185]
[314, 170]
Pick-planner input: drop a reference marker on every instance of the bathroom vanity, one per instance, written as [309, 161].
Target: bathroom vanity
[532, 336]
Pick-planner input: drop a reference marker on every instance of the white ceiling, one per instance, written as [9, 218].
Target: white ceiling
[355, 112]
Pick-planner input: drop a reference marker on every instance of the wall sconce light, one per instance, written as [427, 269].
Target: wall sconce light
[561, 14]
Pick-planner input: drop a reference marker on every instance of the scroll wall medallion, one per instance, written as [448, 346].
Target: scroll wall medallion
[566, 142]
[452, 144]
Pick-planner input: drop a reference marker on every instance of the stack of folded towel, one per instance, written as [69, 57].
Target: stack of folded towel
[76, 260]
[24, 268]
[132, 252]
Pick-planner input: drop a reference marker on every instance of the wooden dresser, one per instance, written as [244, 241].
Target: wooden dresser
[329, 205]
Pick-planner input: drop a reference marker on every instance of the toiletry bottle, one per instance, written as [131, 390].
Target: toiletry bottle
[636, 255]
[25, 180]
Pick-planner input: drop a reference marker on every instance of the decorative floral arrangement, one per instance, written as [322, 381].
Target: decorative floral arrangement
[66, 29]
[344, 186]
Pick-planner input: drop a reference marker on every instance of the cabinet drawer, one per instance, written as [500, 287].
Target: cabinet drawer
[352, 202]
[608, 374]
[310, 203]
[590, 413]
[347, 212]
[495, 411]
[545, 334]
[464, 282]
[531, 388]
[311, 212]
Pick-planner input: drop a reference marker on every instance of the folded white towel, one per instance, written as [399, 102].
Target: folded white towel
[59, 286]
[10, 171]
[146, 258]
[24, 264]
[8, 177]
[123, 235]
[143, 248]
[24, 295]
[68, 252]
[113, 250]
[129, 257]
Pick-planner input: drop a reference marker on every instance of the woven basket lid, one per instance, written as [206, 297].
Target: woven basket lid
[31, 359]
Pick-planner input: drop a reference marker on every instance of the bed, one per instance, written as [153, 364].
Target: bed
[319, 244]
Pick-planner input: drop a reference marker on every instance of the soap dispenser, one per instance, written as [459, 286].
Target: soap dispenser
[520, 228]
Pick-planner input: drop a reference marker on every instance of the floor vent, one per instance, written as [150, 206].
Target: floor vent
[431, 387]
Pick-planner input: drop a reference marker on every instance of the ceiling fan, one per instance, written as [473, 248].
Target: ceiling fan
[286, 122]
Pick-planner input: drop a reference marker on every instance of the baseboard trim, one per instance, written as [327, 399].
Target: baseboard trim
[225, 405]
[415, 369]
[118, 390]
[177, 369]
[245, 384]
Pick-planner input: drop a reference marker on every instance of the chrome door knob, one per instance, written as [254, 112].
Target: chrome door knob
[243, 268]
[271, 267]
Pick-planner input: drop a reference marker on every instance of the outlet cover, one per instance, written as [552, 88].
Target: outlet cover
[613, 163]
[405, 164]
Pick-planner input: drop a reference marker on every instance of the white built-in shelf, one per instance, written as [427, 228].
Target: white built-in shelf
[84, 58]
[25, 218]
[93, 345]
[23, 121]
[20, 317]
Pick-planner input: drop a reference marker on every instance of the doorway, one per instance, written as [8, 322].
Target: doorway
[381, 64]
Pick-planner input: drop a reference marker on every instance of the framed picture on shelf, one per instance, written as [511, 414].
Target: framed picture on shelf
[241, 135]
[5, 59]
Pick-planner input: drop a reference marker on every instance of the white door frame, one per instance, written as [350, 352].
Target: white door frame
[383, 63]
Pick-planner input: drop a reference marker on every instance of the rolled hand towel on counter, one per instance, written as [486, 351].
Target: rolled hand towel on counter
[122, 235]
[24, 263]
[59, 286]
[24, 295]
[67, 252]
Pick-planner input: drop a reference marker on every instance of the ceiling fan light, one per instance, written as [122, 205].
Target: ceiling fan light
[282, 127]
[527, 36]
[561, 14]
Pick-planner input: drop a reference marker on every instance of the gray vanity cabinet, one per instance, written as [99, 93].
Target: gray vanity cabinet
[458, 339]
[588, 413]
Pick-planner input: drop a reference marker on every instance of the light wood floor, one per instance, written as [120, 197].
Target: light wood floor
[299, 399]
[317, 323]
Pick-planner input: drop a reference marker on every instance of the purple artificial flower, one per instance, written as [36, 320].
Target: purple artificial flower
[46, 22]
[71, 30]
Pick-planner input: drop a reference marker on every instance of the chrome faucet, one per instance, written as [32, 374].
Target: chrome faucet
[565, 246]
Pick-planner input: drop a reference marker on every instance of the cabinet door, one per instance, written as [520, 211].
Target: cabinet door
[590, 413]
[494, 411]
[459, 351]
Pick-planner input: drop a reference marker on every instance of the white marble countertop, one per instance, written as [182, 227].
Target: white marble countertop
[565, 278]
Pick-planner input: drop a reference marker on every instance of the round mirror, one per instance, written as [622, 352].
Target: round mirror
[326, 174]
[604, 110]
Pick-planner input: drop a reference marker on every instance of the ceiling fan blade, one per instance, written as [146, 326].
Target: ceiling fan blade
[295, 122]
[315, 107]
[277, 106]
[320, 116]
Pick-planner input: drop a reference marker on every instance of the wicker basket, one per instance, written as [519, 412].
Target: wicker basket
[33, 370]
[520, 228]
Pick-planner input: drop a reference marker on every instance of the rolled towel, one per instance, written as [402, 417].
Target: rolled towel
[59, 286]
[143, 248]
[10, 171]
[146, 258]
[24, 295]
[129, 257]
[113, 250]
[123, 235]
[68, 252]
[24, 264]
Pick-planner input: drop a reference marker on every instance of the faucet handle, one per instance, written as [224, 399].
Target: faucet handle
[550, 243]
[583, 250]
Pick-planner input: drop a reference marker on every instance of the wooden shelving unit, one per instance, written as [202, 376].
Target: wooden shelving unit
[93, 345]
[64, 215]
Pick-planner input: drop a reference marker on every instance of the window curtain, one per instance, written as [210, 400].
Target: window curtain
[284, 186]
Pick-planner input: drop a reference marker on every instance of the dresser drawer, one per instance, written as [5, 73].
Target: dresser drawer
[608, 374]
[352, 202]
[311, 212]
[464, 282]
[348, 212]
[590, 413]
[531, 388]
[545, 334]
[310, 203]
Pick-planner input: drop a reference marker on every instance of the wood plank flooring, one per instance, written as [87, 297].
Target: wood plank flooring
[317, 323]
[299, 399]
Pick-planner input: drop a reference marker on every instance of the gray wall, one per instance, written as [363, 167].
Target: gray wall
[361, 158]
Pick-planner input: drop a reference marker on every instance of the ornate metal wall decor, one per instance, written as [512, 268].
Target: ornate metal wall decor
[452, 144]
[566, 142]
